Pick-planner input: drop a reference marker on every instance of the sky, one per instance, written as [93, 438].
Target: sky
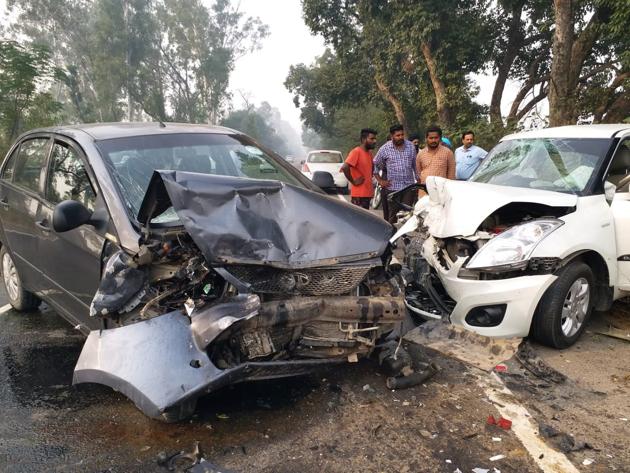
[260, 76]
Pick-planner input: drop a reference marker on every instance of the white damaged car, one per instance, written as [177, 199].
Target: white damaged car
[536, 240]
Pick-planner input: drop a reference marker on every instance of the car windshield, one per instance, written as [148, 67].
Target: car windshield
[555, 164]
[324, 157]
[132, 160]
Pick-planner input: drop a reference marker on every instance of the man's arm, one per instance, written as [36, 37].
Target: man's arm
[419, 165]
[450, 166]
[378, 164]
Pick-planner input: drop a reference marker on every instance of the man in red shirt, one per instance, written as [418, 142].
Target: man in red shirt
[358, 169]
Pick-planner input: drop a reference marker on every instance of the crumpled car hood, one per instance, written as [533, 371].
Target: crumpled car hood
[250, 221]
[457, 208]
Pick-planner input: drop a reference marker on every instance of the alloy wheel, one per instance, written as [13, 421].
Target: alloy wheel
[575, 307]
[11, 280]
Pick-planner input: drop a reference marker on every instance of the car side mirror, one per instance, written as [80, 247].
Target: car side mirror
[609, 191]
[324, 181]
[70, 214]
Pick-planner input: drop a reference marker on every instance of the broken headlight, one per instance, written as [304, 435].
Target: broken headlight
[512, 248]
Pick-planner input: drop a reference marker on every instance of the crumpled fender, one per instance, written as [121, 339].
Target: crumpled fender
[153, 363]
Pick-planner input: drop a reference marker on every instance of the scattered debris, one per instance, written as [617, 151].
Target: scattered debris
[497, 458]
[501, 368]
[505, 424]
[223, 416]
[530, 360]
[563, 441]
[480, 470]
[456, 342]
[615, 325]
[368, 389]
[402, 382]
[188, 462]
[497, 439]
[426, 434]
[588, 461]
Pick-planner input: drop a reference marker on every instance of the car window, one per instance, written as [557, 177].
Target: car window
[68, 179]
[30, 162]
[620, 165]
[7, 172]
[133, 160]
[323, 158]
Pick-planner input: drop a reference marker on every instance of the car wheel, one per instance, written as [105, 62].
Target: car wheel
[19, 298]
[180, 412]
[564, 310]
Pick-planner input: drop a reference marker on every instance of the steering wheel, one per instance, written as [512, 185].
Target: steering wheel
[623, 182]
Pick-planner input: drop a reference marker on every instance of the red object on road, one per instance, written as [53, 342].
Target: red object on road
[505, 424]
[501, 368]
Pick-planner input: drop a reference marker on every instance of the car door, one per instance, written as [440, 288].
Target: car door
[620, 207]
[21, 187]
[71, 261]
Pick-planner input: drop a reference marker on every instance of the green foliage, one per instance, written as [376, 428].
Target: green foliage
[24, 73]
[129, 59]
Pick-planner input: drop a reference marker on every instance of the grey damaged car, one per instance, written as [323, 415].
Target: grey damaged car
[191, 258]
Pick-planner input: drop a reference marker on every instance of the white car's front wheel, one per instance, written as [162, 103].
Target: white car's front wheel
[565, 308]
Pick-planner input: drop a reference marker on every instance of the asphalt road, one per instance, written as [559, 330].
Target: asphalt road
[343, 420]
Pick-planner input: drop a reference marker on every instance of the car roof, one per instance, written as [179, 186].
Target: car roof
[573, 131]
[324, 151]
[105, 131]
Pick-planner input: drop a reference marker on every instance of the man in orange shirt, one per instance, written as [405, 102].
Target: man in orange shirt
[358, 169]
[436, 159]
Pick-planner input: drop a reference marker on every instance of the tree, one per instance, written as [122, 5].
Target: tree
[589, 39]
[129, 58]
[24, 103]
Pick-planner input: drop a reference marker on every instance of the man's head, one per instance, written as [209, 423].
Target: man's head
[368, 138]
[397, 132]
[433, 136]
[415, 139]
[468, 139]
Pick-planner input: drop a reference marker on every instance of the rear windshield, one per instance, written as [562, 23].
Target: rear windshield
[322, 157]
[132, 160]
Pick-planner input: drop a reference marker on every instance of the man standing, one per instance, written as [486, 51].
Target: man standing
[468, 156]
[396, 158]
[358, 169]
[436, 159]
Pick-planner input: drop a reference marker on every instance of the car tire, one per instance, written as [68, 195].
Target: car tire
[19, 298]
[182, 411]
[566, 306]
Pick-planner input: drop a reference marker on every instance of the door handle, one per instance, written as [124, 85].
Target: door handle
[43, 225]
[4, 202]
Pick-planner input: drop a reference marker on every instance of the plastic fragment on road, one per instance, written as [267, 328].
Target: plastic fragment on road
[501, 368]
[480, 470]
[505, 424]
[497, 458]
[588, 461]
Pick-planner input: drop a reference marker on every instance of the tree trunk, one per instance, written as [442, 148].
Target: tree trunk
[515, 39]
[393, 100]
[561, 95]
[439, 90]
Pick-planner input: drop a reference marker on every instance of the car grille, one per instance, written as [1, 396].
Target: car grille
[333, 280]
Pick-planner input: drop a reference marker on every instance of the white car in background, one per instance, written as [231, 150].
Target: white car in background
[537, 239]
[328, 161]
